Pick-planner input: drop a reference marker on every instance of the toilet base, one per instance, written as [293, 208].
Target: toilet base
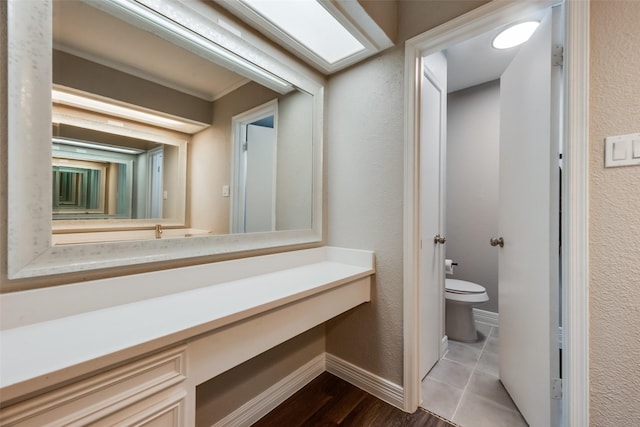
[459, 323]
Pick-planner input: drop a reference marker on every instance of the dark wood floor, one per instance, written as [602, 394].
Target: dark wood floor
[329, 401]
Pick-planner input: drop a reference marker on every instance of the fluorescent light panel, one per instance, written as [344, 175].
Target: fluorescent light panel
[311, 25]
[112, 109]
[84, 144]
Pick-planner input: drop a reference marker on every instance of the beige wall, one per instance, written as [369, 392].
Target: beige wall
[614, 223]
[210, 159]
[294, 195]
[75, 72]
[365, 181]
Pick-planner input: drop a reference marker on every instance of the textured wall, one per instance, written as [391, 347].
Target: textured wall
[473, 144]
[365, 182]
[614, 217]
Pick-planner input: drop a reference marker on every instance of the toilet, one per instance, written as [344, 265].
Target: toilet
[461, 296]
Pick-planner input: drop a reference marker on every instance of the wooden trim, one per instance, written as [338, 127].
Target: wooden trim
[576, 216]
[488, 317]
[100, 396]
[379, 387]
[411, 299]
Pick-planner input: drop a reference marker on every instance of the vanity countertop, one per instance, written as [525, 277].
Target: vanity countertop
[50, 351]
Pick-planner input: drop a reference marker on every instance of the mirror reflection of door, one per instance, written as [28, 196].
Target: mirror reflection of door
[259, 178]
[253, 207]
[156, 183]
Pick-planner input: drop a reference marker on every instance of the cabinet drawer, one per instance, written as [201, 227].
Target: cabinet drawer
[165, 409]
[98, 397]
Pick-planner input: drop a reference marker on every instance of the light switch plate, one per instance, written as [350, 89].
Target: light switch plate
[622, 150]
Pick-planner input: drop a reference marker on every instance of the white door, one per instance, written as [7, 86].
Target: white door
[432, 157]
[259, 214]
[156, 184]
[528, 223]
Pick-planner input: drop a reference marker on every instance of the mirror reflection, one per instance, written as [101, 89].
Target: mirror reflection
[147, 132]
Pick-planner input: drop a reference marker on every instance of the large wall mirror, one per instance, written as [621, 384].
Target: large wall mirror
[169, 134]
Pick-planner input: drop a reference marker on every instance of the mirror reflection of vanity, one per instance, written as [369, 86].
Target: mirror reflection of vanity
[157, 126]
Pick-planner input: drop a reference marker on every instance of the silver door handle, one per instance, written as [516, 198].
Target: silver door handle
[497, 242]
[439, 239]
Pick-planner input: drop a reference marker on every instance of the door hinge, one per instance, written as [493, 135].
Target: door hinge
[245, 146]
[556, 388]
[557, 56]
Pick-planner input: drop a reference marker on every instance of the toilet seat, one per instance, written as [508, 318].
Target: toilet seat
[464, 291]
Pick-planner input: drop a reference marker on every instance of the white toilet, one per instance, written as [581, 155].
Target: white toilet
[461, 296]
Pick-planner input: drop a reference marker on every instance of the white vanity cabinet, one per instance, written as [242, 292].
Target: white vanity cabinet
[145, 392]
[138, 362]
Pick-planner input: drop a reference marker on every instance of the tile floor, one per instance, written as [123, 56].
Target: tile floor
[464, 387]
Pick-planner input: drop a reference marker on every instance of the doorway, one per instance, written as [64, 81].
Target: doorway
[469, 26]
[253, 197]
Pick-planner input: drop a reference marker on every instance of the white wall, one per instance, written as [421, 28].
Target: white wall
[365, 185]
[473, 142]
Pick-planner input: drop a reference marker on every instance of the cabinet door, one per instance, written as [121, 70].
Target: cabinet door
[166, 409]
[132, 390]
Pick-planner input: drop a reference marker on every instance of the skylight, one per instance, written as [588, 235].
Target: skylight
[310, 24]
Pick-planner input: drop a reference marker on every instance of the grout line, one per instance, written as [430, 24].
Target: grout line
[464, 391]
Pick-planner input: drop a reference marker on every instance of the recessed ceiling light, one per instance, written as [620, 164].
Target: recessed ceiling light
[311, 25]
[515, 35]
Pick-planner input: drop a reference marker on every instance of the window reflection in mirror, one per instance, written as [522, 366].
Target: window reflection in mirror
[155, 142]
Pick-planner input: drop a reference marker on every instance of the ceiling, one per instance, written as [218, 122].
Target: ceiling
[89, 33]
[475, 61]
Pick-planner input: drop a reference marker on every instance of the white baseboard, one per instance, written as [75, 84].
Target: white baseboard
[445, 346]
[491, 318]
[383, 389]
[488, 317]
[269, 399]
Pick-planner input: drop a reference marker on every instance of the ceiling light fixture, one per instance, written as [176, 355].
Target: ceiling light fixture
[103, 147]
[93, 104]
[515, 35]
[310, 24]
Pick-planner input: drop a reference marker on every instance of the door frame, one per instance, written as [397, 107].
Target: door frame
[575, 363]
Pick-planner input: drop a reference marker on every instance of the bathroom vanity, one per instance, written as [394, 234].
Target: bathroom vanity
[138, 362]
